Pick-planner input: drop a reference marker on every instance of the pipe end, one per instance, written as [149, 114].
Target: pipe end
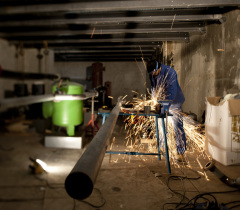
[209, 165]
[78, 185]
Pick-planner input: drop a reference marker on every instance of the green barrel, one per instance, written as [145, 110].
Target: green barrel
[66, 113]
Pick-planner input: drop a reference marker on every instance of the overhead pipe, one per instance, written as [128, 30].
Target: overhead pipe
[25, 76]
[231, 182]
[80, 182]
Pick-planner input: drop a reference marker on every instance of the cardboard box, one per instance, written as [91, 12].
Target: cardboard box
[223, 130]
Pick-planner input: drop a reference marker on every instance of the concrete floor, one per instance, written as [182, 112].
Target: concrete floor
[123, 182]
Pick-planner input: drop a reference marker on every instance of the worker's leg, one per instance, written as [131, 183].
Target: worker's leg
[178, 128]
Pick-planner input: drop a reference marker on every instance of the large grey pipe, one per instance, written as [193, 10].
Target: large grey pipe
[231, 182]
[80, 182]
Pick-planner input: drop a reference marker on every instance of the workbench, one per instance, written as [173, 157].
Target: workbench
[162, 116]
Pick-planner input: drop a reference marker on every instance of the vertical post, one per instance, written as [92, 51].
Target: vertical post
[92, 122]
[166, 146]
[93, 105]
[165, 46]
[156, 121]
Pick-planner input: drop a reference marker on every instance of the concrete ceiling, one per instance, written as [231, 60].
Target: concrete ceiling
[107, 30]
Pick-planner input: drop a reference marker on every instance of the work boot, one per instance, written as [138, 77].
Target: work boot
[180, 158]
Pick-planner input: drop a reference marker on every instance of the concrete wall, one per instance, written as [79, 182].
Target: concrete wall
[210, 63]
[25, 60]
[124, 76]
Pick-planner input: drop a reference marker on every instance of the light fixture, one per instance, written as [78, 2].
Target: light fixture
[38, 166]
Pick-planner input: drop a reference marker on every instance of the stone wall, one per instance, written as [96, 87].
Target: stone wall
[210, 63]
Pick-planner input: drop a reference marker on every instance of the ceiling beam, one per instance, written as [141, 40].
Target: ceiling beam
[118, 6]
[181, 38]
[100, 32]
[90, 45]
[105, 51]
[116, 20]
[130, 46]
[102, 55]
[100, 58]
[102, 28]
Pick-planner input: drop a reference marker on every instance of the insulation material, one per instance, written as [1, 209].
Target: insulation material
[223, 130]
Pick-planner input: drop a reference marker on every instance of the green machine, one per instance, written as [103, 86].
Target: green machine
[65, 113]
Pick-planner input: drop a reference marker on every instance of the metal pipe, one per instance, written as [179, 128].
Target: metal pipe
[21, 101]
[231, 182]
[80, 182]
[25, 76]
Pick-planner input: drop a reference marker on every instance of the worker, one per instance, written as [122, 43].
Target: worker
[165, 86]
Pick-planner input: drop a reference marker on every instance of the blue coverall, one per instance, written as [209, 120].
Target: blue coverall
[172, 91]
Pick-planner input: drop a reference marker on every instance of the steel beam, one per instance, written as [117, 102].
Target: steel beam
[79, 51]
[31, 43]
[118, 6]
[105, 55]
[115, 59]
[111, 20]
[91, 45]
[113, 39]
[89, 42]
[23, 101]
[100, 32]
[102, 28]
[27, 75]
[80, 182]
[106, 47]
[125, 57]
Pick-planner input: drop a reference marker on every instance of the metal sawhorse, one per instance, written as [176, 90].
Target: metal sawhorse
[162, 116]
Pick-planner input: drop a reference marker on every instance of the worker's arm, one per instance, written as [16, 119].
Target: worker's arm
[171, 86]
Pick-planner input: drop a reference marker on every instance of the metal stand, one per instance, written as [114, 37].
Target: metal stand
[92, 122]
[162, 116]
